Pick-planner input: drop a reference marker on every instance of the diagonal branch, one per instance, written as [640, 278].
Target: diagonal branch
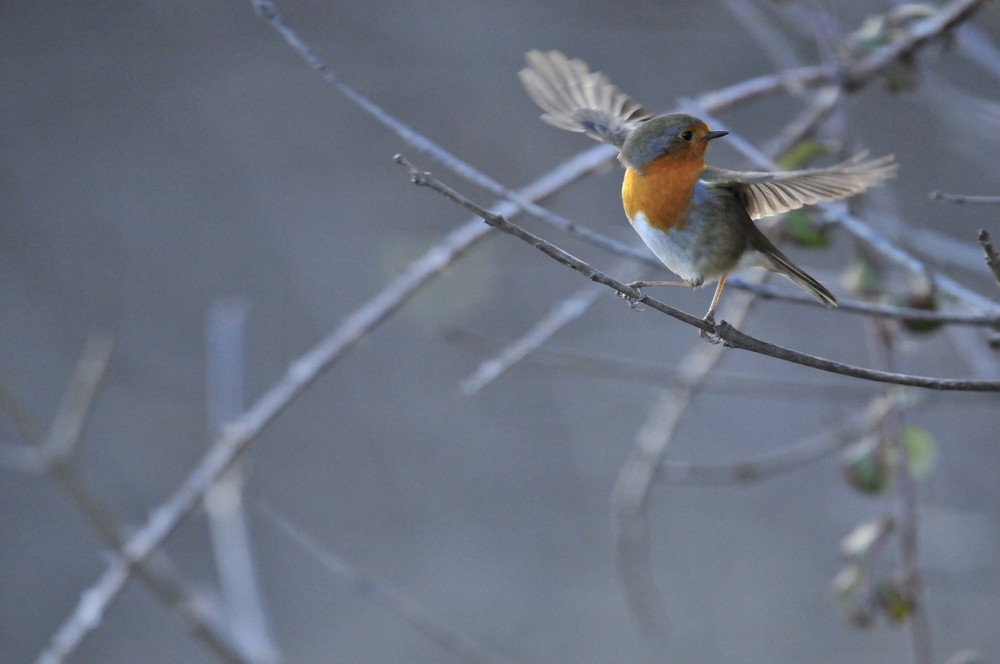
[567, 311]
[965, 199]
[724, 331]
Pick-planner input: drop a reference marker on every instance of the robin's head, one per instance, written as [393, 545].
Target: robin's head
[676, 134]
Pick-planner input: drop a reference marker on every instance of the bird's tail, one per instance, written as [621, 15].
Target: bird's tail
[779, 263]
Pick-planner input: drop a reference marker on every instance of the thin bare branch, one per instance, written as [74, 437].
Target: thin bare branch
[53, 456]
[797, 455]
[723, 331]
[243, 601]
[567, 311]
[906, 519]
[75, 408]
[748, 386]
[965, 199]
[848, 305]
[947, 18]
[806, 123]
[411, 612]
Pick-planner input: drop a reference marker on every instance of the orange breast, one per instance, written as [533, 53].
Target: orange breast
[662, 191]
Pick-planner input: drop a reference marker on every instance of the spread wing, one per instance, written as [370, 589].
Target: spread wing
[577, 99]
[765, 194]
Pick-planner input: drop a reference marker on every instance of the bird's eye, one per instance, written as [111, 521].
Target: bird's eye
[687, 135]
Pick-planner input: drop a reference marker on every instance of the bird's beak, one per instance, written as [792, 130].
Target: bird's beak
[714, 134]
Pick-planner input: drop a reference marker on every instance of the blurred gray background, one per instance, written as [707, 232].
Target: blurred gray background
[159, 156]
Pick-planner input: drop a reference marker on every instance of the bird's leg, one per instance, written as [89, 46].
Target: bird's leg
[710, 316]
[642, 284]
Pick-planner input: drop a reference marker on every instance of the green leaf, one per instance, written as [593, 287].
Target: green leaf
[866, 466]
[801, 230]
[895, 604]
[801, 154]
[925, 300]
[921, 451]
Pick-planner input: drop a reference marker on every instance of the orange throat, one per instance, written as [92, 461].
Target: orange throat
[662, 191]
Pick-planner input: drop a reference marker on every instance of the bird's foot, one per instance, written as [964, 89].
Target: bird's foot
[711, 336]
[633, 302]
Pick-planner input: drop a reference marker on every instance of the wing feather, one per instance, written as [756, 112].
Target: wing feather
[575, 99]
[765, 194]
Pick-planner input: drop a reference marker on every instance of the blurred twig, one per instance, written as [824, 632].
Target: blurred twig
[52, 455]
[806, 451]
[749, 386]
[775, 43]
[403, 607]
[965, 198]
[638, 473]
[722, 331]
[566, 311]
[906, 519]
[242, 598]
[235, 437]
[849, 305]
[947, 17]
[992, 259]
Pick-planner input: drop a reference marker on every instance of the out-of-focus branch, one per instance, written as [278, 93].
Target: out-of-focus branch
[638, 473]
[52, 455]
[965, 199]
[568, 310]
[749, 386]
[235, 437]
[848, 305]
[723, 331]
[402, 606]
[242, 599]
[804, 452]
[992, 259]
[947, 18]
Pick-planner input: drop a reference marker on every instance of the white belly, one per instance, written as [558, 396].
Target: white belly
[679, 250]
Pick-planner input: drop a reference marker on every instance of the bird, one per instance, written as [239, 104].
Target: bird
[695, 218]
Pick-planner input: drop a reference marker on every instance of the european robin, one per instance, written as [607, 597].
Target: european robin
[697, 219]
